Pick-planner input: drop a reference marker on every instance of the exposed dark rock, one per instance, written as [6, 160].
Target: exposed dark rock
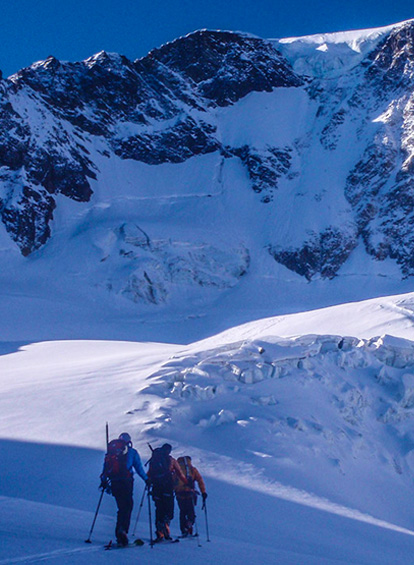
[27, 221]
[174, 145]
[264, 167]
[227, 66]
[330, 134]
[58, 173]
[367, 178]
[102, 94]
[323, 254]
[392, 61]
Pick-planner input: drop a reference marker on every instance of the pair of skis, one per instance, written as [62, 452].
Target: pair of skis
[136, 543]
[111, 545]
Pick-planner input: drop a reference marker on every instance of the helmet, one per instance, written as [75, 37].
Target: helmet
[166, 448]
[127, 438]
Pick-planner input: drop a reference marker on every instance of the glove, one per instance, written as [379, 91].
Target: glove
[105, 485]
[204, 496]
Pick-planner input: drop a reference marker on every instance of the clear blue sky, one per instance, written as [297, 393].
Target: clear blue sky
[72, 30]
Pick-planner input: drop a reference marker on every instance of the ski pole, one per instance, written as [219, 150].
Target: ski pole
[96, 515]
[139, 511]
[193, 503]
[103, 490]
[150, 519]
[205, 511]
[196, 527]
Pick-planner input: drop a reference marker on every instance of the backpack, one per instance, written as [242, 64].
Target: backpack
[115, 463]
[159, 468]
[187, 469]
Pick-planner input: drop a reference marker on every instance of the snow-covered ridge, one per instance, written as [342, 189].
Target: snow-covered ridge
[326, 55]
[356, 39]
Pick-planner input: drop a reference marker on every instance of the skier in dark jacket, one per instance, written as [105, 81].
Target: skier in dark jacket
[162, 473]
[121, 484]
[186, 494]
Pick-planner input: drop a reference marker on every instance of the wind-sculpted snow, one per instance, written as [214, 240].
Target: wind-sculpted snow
[311, 406]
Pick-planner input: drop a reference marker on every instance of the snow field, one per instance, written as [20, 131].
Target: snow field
[304, 442]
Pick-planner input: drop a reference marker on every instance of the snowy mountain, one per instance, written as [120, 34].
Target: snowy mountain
[156, 216]
[217, 162]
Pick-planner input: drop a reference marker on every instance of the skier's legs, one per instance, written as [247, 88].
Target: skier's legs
[122, 491]
[168, 511]
[191, 512]
[187, 514]
[183, 515]
[157, 495]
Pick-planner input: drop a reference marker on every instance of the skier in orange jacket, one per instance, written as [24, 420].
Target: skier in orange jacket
[186, 494]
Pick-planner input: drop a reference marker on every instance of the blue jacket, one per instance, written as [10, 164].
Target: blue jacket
[134, 462]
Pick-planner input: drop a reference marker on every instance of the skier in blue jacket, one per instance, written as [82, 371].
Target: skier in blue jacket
[121, 486]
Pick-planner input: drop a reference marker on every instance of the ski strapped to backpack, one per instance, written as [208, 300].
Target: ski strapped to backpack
[115, 463]
[188, 475]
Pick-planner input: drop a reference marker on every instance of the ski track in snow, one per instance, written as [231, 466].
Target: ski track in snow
[49, 555]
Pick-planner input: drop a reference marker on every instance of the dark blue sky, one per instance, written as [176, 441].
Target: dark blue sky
[75, 29]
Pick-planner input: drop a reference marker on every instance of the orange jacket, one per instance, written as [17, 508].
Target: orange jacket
[183, 490]
[176, 470]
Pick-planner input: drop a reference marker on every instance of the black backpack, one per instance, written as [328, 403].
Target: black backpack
[159, 468]
[115, 464]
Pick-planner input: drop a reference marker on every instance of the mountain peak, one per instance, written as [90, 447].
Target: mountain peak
[103, 58]
[225, 66]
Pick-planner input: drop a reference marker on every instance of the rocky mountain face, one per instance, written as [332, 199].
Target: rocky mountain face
[49, 108]
[328, 153]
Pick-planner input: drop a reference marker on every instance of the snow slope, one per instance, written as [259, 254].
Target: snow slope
[305, 442]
